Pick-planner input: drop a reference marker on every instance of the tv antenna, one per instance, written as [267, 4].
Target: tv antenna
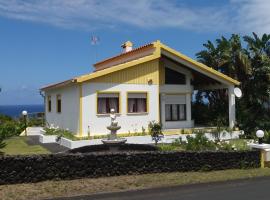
[95, 42]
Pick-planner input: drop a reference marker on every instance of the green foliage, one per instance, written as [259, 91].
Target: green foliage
[10, 127]
[4, 118]
[2, 145]
[266, 138]
[247, 60]
[35, 122]
[198, 143]
[155, 130]
[169, 147]
[60, 133]
[143, 130]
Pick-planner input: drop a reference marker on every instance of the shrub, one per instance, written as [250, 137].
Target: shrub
[60, 133]
[2, 145]
[11, 128]
[167, 147]
[4, 118]
[35, 122]
[266, 138]
[225, 145]
[198, 143]
[155, 130]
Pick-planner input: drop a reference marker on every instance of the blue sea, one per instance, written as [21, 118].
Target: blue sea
[16, 110]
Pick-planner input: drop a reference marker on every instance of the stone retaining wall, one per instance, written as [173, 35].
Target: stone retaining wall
[22, 169]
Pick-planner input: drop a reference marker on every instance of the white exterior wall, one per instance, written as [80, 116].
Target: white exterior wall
[69, 116]
[177, 94]
[128, 122]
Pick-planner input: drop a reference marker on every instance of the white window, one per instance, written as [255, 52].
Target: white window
[49, 103]
[106, 102]
[137, 102]
[175, 112]
[58, 103]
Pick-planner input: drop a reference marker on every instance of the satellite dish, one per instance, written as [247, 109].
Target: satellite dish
[237, 92]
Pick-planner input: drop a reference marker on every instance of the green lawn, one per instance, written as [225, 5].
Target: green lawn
[240, 144]
[18, 146]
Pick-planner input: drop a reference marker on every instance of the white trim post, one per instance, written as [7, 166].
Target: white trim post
[231, 106]
[162, 109]
[188, 106]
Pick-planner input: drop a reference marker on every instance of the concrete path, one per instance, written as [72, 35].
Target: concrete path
[250, 189]
[52, 147]
[32, 131]
[145, 139]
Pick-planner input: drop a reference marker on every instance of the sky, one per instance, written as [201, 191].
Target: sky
[47, 41]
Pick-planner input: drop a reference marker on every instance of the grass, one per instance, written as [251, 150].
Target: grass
[170, 147]
[18, 146]
[240, 144]
[52, 189]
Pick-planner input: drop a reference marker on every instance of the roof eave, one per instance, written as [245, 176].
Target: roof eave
[58, 85]
[201, 65]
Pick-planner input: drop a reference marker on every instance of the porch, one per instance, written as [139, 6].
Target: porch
[180, 82]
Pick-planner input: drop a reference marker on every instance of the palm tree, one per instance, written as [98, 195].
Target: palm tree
[258, 86]
[251, 66]
[228, 57]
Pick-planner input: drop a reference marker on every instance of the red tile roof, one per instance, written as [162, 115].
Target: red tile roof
[124, 54]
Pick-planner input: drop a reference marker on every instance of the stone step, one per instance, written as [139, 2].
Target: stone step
[32, 131]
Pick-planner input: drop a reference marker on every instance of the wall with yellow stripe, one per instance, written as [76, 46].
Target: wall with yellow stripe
[138, 74]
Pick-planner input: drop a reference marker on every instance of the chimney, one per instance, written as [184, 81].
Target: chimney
[127, 46]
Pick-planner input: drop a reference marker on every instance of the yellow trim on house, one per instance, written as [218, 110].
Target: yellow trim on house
[262, 158]
[127, 44]
[157, 45]
[200, 65]
[108, 92]
[145, 73]
[161, 73]
[81, 110]
[158, 95]
[155, 55]
[116, 68]
[147, 102]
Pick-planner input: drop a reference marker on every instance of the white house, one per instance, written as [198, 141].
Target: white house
[151, 82]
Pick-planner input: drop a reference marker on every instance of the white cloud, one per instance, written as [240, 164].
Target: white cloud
[235, 15]
[253, 15]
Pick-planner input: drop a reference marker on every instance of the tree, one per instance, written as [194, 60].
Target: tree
[256, 101]
[155, 130]
[249, 65]
[228, 57]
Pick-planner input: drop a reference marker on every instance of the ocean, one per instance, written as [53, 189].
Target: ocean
[16, 110]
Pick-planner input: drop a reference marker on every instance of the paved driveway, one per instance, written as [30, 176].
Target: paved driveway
[234, 190]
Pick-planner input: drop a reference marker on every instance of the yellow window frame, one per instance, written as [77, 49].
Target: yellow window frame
[108, 92]
[147, 102]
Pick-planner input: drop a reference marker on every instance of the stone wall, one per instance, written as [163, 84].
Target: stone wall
[22, 169]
